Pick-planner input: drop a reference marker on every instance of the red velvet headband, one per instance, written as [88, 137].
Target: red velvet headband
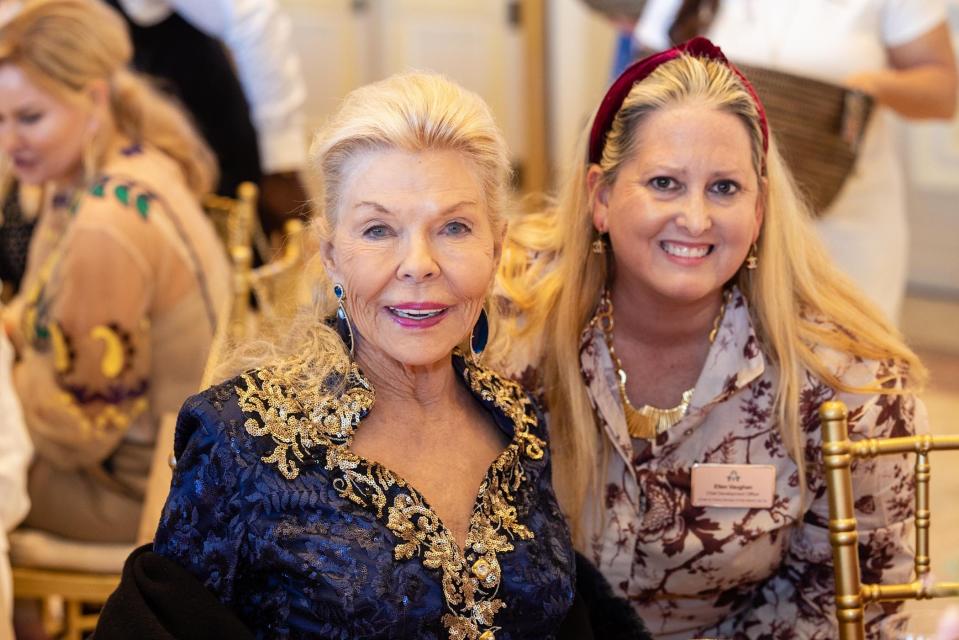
[698, 47]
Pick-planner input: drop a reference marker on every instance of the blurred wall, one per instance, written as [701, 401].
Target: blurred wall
[932, 161]
[347, 43]
[580, 50]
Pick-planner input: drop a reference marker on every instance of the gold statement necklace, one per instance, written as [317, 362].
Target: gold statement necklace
[646, 421]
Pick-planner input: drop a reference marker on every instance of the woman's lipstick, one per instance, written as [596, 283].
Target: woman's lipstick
[417, 315]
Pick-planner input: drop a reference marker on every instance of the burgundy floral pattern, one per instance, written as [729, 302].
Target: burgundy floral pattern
[737, 572]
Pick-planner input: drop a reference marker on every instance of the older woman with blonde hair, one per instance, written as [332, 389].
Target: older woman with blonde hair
[125, 276]
[366, 476]
[685, 325]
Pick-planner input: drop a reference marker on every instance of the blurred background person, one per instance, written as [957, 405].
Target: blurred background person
[899, 52]
[125, 275]
[232, 64]
[15, 454]
[623, 15]
[16, 228]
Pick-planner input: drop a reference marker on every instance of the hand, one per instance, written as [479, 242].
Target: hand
[282, 196]
[11, 332]
[866, 81]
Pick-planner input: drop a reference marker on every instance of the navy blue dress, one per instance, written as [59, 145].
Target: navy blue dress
[302, 538]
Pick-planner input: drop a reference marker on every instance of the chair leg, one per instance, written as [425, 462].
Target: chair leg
[33, 620]
[72, 619]
[52, 616]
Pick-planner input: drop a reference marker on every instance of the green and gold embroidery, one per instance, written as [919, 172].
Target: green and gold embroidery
[122, 192]
[304, 424]
[62, 350]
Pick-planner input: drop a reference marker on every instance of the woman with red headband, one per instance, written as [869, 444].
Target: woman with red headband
[898, 52]
[685, 325]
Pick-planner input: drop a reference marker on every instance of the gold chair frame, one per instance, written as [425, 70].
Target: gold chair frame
[233, 218]
[257, 281]
[838, 453]
[75, 588]
[238, 225]
[232, 327]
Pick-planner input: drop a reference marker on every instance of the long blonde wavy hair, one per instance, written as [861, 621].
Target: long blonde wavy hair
[413, 112]
[554, 282]
[65, 45]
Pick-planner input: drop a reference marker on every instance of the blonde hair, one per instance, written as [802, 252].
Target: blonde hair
[795, 287]
[412, 112]
[64, 45]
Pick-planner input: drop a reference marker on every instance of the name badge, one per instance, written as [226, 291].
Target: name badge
[733, 485]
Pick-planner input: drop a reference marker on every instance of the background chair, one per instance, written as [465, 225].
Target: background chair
[838, 453]
[233, 218]
[267, 284]
[49, 568]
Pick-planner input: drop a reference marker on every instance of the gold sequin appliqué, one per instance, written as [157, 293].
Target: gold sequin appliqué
[297, 420]
[470, 577]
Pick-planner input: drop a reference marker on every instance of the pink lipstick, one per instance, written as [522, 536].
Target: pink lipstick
[417, 315]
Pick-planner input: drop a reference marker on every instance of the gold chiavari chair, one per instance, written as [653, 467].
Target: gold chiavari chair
[48, 568]
[276, 285]
[234, 326]
[838, 453]
[233, 218]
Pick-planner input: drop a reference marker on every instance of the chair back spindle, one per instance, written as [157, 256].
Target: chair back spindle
[839, 452]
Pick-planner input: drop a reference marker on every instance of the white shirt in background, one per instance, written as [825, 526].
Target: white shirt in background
[257, 33]
[15, 454]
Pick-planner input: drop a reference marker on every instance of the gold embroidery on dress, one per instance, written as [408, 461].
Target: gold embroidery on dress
[359, 486]
[299, 421]
[509, 397]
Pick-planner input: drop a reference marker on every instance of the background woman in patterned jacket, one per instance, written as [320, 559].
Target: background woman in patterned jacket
[678, 309]
[125, 275]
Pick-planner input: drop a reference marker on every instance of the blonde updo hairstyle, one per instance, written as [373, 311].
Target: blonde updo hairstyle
[793, 289]
[65, 45]
[412, 112]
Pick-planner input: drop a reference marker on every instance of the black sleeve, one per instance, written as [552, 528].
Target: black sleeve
[597, 612]
[159, 600]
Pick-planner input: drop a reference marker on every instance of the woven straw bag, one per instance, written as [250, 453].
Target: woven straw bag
[818, 127]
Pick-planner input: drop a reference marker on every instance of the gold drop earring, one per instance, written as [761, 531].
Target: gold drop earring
[752, 259]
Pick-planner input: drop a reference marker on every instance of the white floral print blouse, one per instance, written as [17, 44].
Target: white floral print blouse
[744, 572]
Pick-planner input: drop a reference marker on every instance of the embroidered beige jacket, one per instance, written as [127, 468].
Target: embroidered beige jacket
[117, 311]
